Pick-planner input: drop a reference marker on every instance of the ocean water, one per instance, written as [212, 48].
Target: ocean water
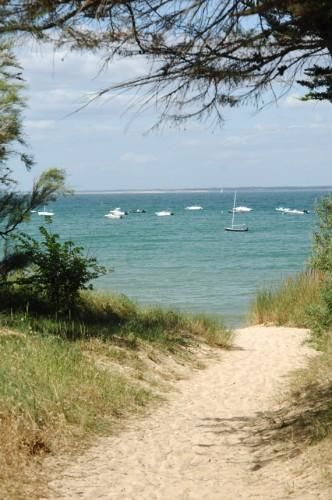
[188, 261]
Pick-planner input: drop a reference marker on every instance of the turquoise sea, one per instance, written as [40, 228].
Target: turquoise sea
[188, 261]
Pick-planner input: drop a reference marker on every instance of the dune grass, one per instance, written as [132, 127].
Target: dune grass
[312, 390]
[288, 304]
[51, 396]
[306, 418]
[59, 384]
[117, 318]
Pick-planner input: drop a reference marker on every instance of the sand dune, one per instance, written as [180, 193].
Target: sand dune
[206, 441]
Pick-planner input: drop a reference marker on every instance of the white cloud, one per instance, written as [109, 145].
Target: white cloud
[237, 140]
[273, 146]
[62, 67]
[191, 142]
[293, 101]
[137, 158]
[40, 124]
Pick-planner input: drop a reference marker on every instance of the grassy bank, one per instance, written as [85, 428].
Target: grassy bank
[304, 423]
[288, 304]
[306, 419]
[63, 381]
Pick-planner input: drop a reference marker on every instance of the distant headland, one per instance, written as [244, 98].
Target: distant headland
[207, 190]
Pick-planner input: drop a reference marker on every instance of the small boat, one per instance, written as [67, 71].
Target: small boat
[292, 211]
[238, 210]
[46, 213]
[117, 211]
[237, 228]
[111, 215]
[138, 211]
[194, 207]
[282, 209]
[164, 213]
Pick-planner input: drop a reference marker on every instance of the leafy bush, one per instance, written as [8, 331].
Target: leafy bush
[304, 300]
[322, 248]
[57, 271]
[321, 313]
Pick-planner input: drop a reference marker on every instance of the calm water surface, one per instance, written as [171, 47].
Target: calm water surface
[188, 261]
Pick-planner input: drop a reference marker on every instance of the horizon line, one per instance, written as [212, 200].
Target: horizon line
[201, 190]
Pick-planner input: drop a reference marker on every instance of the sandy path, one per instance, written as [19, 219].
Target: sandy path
[199, 444]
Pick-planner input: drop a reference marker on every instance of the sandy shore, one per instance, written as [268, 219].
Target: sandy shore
[205, 442]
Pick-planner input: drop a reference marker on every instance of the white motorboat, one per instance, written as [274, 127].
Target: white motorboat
[112, 215]
[292, 211]
[239, 209]
[282, 209]
[295, 211]
[194, 207]
[237, 228]
[117, 211]
[164, 213]
[46, 213]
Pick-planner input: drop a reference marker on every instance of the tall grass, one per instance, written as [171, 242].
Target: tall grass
[306, 418]
[289, 303]
[165, 327]
[56, 388]
[118, 319]
[49, 394]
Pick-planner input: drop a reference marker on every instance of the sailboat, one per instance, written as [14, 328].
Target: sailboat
[45, 212]
[239, 228]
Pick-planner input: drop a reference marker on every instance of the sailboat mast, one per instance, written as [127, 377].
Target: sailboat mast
[234, 205]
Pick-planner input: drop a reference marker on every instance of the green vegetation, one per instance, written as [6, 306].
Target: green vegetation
[306, 301]
[64, 379]
[204, 56]
[51, 396]
[73, 363]
[57, 271]
[290, 303]
[15, 206]
[322, 248]
[61, 347]
[114, 318]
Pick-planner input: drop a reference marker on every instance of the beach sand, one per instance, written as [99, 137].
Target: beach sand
[210, 440]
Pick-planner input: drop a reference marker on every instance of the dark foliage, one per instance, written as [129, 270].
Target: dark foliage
[204, 54]
[58, 271]
[15, 206]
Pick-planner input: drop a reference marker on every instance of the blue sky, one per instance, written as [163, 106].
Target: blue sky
[106, 146]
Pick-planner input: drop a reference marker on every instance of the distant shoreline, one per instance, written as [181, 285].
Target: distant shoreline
[207, 190]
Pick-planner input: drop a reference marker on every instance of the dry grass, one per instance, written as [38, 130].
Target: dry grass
[64, 381]
[289, 303]
[303, 423]
[118, 319]
[166, 328]
[51, 397]
[311, 392]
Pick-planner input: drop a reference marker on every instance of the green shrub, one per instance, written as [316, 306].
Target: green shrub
[320, 314]
[57, 271]
[322, 246]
